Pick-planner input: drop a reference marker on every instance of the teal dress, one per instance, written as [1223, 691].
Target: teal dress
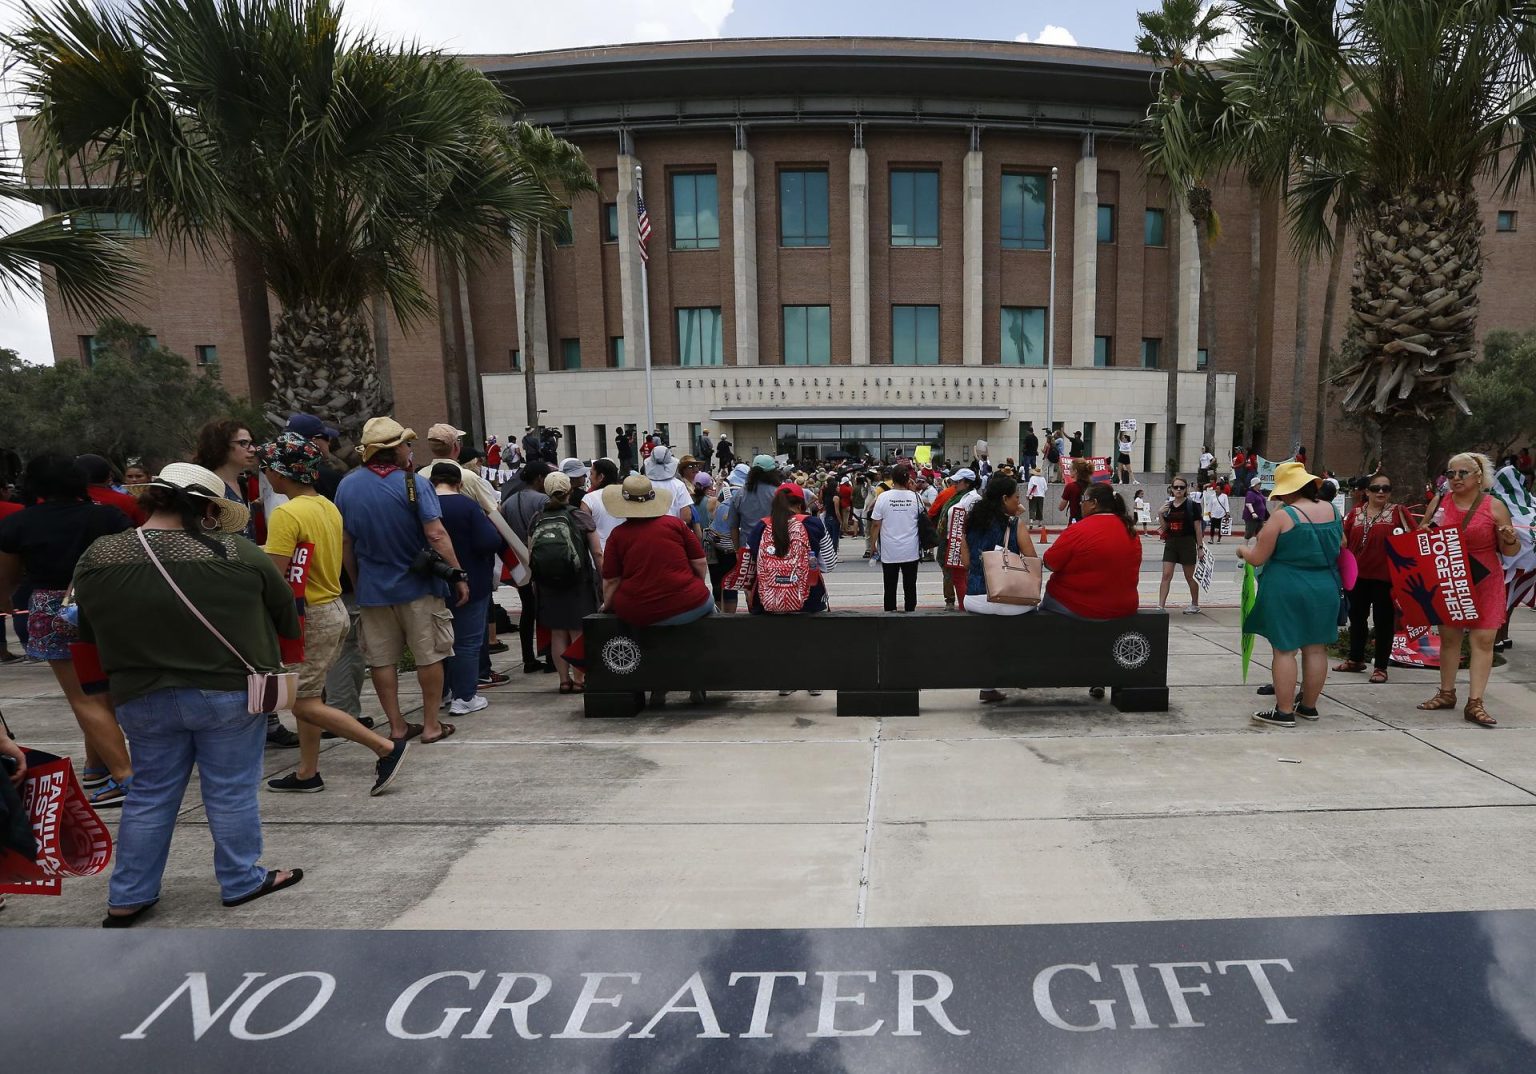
[1299, 588]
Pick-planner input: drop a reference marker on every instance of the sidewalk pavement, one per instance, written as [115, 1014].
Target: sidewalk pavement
[756, 811]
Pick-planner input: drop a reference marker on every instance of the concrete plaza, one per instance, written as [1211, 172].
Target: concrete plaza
[760, 811]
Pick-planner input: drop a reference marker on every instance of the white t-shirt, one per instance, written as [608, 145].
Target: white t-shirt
[1206, 459]
[602, 518]
[1037, 486]
[1208, 503]
[896, 511]
[1223, 506]
[682, 499]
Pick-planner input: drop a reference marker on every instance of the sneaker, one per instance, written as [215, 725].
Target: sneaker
[1266, 690]
[1307, 712]
[785, 693]
[388, 768]
[291, 782]
[464, 706]
[1096, 692]
[1192, 609]
[814, 693]
[498, 647]
[281, 737]
[495, 678]
[1275, 718]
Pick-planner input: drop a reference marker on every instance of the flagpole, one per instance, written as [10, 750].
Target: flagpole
[1050, 325]
[645, 310]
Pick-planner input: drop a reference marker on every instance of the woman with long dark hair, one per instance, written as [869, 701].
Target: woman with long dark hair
[993, 522]
[44, 542]
[783, 536]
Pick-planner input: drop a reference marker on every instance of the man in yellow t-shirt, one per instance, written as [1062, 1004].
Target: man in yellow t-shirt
[304, 539]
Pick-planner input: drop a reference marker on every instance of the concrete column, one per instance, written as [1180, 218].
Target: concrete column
[1085, 259]
[1188, 280]
[858, 254]
[744, 254]
[630, 300]
[533, 326]
[973, 300]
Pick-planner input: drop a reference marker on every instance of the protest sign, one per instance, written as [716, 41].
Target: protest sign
[1431, 578]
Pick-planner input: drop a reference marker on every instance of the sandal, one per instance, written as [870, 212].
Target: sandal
[111, 795]
[566, 687]
[268, 886]
[1475, 713]
[447, 732]
[92, 778]
[1379, 675]
[412, 730]
[1443, 699]
[128, 920]
[1350, 665]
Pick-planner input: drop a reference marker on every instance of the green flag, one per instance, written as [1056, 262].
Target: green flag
[1250, 598]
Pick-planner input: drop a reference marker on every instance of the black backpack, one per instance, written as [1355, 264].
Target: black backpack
[555, 550]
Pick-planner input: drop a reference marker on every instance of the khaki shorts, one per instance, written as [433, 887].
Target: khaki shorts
[425, 626]
[325, 629]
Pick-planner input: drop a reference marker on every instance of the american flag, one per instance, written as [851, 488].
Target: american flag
[643, 221]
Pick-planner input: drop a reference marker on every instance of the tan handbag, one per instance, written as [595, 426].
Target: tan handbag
[1010, 577]
[265, 691]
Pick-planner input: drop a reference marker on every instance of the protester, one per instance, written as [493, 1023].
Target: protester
[755, 500]
[1486, 531]
[98, 476]
[1029, 451]
[1095, 565]
[181, 691]
[1299, 591]
[321, 435]
[601, 474]
[661, 466]
[1216, 504]
[388, 515]
[719, 547]
[1072, 492]
[1123, 446]
[790, 551]
[1179, 527]
[1143, 511]
[519, 509]
[566, 560]
[1207, 469]
[305, 533]
[477, 544]
[992, 522]
[44, 542]
[895, 535]
[1366, 530]
[725, 455]
[1035, 490]
[951, 531]
[135, 475]
[1255, 511]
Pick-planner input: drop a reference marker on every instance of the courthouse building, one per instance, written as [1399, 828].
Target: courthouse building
[851, 250]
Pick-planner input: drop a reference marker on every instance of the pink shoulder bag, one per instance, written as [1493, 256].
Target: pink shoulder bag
[265, 691]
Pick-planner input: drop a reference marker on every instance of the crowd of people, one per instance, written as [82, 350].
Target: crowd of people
[268, 554]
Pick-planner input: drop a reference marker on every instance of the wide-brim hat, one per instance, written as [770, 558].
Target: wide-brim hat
[1291, 477]
[661, 465]
[738, 475]
[381, 433]
[637, 497]
[207, 486]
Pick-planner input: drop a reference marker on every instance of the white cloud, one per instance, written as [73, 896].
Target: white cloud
[482, 26]
[1051, 35]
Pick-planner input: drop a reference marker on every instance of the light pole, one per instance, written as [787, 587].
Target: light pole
[1050, 323]
[645, 309]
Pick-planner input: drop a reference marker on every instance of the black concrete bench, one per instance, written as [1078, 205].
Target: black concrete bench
[876, 662]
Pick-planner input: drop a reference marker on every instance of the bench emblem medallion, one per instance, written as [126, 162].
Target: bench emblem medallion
[622, 655]
[1131, 650]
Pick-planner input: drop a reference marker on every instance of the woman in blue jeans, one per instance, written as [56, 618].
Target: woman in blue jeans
[476, 543]
[180, 692]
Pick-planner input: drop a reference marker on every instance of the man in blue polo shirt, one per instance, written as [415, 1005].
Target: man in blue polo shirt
[390, 514]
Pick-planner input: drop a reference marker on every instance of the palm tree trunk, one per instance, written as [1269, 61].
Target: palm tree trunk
[1208, 315]
[1405, 440]
[471, 365]
[1255, 265]
[255, 315]
[380, 310]
[1325, 346]
[530, 386]
[323, 364]
[449, 337]
[1298, 371]
[1171, 361]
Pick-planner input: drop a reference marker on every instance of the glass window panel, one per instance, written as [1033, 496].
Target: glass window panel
[1156, 230]
[818, 335]
[1103, 352]
[903, 335]
[1151, 353]
[700, 340]
[570, 350]
[927, 335]
[901, 209]
[861, 432]
[1023, 335]
[1023, 211]
[914, 208]
[794, 335]
[565, 229]
[820, 432]
[817, 222]
[685, 231]
[616, 352]
[925, 195]
[1202, 358]
[708, 210]
[1106, 223]
[792, 208]
[611, 222]
[1011, 205]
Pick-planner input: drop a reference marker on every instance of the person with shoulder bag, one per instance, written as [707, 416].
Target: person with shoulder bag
[1366, 531]
[185, 691]
[991, 524]
[566, 561]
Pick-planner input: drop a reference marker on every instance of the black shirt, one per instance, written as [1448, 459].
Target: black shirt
[1031, 444]
[51, 537]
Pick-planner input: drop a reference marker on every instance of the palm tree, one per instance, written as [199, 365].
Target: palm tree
[1177, 36]
[91, 268]
[560, 172]
[1409, 103]
[327, 165]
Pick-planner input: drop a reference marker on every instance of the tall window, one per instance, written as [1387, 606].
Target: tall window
[570, 441]
[515, 356]
[807, 335]
[914, 335]
[207, 354]
[611, 221]
[87, 350]
[565, 228]
[1151, 353]
[1156, 228]
[1508, 220]
[1202, 358]
[1106, 223]
[695, 211]
[1023, 212]
[1103, 351]
[1149, 462]
[914, 207]
[700, 340]
[615, 352]
[803, 209]
[570, 353]
[1023, 335]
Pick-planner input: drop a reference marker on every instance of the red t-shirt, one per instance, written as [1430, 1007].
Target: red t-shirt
[651, 558]
[1073, 495]
[120, 500]
[1094, 568]
[1239, 461]
[845, 495]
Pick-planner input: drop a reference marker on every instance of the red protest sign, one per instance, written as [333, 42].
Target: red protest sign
[291, 650]
[1431, 578]
[71, 839]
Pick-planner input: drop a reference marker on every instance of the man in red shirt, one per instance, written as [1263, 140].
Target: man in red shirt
[98, 475]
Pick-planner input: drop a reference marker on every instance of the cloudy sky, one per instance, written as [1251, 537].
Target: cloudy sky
[488, 26]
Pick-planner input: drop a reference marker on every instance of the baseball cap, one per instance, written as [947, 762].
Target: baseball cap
[308, 426]
[793, 489]
[965, 473]
[573, 468]
[556, 483]
[765, 463]
[444, 433]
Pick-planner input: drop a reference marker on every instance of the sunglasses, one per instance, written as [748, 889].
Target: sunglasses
[1456, 475]
[1180, 488]
[1380, 488]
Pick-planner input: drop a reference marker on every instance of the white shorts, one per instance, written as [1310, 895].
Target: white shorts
[978, 603]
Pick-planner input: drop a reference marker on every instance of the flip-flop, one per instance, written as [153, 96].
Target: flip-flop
[1378, 676]
[448, 730]
[412, 730]
[128, 920]
[268, 886]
